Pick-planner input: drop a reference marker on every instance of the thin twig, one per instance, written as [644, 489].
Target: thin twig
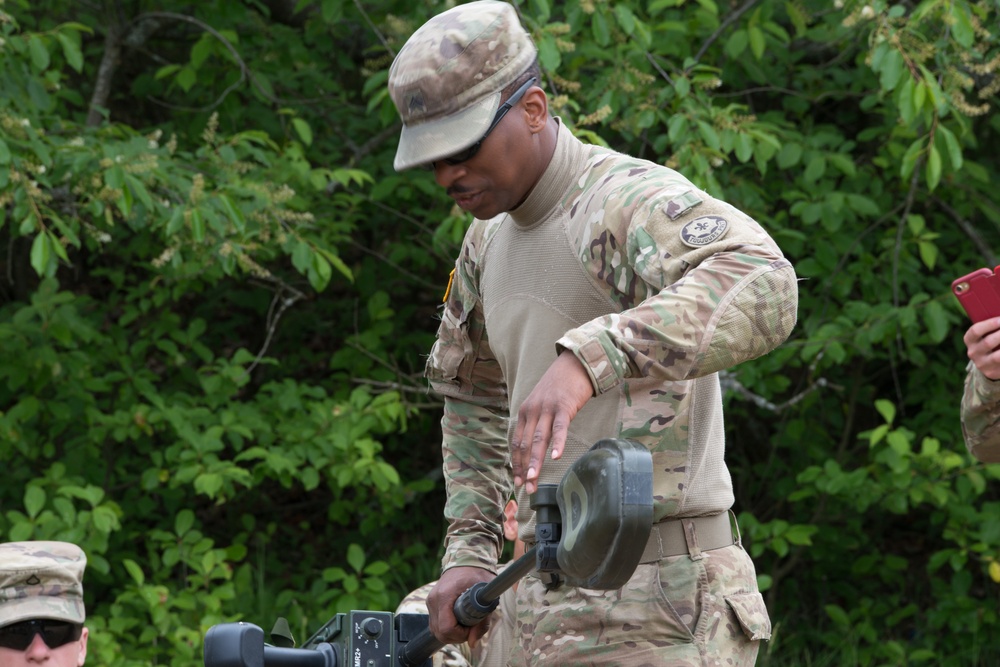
[729, 20]
[730, 383]
[279, 304]
[984, 248]
[371, 25]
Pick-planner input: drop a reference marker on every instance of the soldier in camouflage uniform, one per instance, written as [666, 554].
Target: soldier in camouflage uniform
[981, 400]
[595, 295]
[41, 604]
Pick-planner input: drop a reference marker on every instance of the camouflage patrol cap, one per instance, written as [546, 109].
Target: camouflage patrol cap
[447, 79]
[41, 580]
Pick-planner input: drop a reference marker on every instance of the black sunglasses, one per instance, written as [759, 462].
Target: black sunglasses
[471, 151]
[18, 636]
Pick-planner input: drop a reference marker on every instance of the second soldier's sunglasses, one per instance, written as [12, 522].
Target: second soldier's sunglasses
[471, 151]
[18, 636]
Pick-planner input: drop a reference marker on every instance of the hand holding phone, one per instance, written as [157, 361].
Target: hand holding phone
[979, 293]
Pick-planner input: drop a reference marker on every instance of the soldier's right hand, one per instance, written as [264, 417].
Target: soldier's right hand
[441, 604]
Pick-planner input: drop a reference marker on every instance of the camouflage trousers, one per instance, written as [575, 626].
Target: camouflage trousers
[681, 611]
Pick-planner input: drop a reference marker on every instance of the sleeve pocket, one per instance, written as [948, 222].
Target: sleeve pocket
[752, 614]
[451, 347]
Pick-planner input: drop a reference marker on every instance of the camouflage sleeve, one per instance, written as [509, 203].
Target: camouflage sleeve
[478, 480]
[981, 415]
[720, 292]
[477, 469]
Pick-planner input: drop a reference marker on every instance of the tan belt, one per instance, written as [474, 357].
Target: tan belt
[694, 535]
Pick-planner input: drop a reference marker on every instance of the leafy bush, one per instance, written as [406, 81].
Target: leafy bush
[216, 296]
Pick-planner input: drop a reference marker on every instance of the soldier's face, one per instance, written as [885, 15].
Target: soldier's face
[38, 653]
[500, 175]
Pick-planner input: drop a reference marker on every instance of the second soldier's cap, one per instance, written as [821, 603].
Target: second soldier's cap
[41, 580]
[447, 80]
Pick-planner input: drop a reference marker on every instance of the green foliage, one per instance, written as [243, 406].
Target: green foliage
[216, 296]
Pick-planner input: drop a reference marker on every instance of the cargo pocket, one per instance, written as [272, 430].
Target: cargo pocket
[453, 344]
[752, 614]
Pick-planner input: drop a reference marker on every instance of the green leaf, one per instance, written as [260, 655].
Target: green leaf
[176, 223]
[34, 500]
[104, 519]
[71, 51]
[789, 155]
[303, 130]
[208, 483]
[625, 17]
[928, 253]
[197, 226]
[936, 321]
[943, 135]
[186, 78]
[744, 147]
[837, 615]
[356, 557]
[600, 28]
[843, 163]
[134, 571]
[677, 126]
[892, 70]
[302, 256]
[933, 168]
[899, 443]
[643, 35]
[183, 522]
[41, 253]
[235, 214]
[4, 152]
[758, 41]
[709, 135]
[737, 43]
[166, 71]
[377, 569]
[331, 10]
[114, 177]
[800, 535]
[908, 111]
[337, 263]
[139, 191]
[39, 54]
[201, 50]
[961, 25]
[320, 272]
[815, 169]
[909, 161]
[887, 409]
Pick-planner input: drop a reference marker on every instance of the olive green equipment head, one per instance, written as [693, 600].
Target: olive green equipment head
[606, 503]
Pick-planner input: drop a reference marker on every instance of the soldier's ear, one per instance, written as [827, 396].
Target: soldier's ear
[82, 656]
[536, 108]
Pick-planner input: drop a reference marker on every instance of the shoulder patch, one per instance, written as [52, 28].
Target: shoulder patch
[702, 231]
[681, 204]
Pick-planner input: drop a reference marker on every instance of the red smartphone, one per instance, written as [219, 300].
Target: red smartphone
[979, 293]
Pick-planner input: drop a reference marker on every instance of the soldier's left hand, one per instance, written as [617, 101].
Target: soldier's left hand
[982, 341]
[544, 416]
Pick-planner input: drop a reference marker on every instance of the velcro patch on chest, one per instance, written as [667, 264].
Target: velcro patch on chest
[704, 230]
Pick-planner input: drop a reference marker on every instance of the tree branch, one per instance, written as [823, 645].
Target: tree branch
[730, 383]
[981, 245]
[115, 39]
[729, 20]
